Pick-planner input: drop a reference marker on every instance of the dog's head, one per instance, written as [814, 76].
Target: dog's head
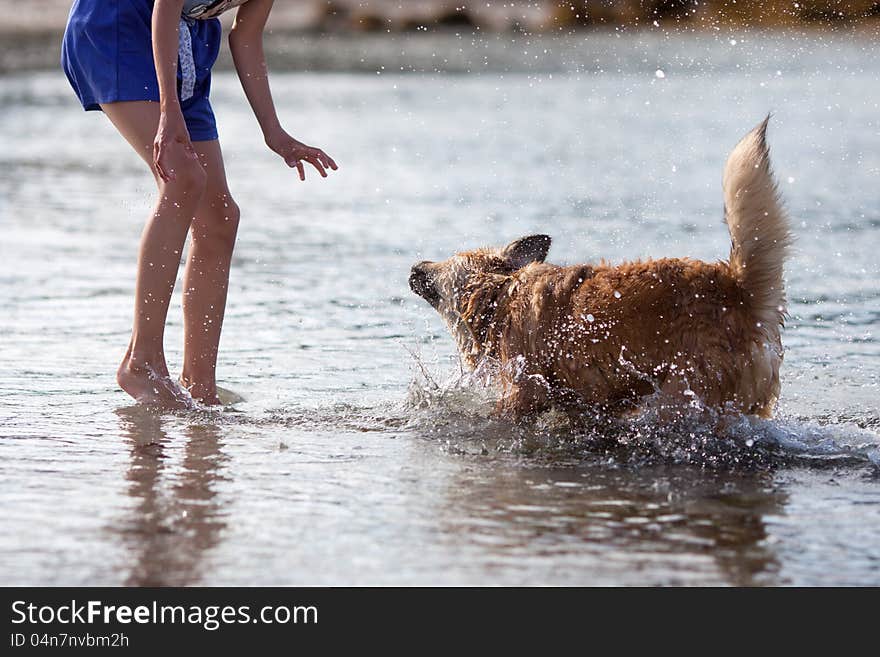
[450, 286]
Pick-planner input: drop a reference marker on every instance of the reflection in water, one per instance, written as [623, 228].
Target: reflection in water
[685, 526]
[176, 516]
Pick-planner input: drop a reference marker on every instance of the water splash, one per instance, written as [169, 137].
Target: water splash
[458, 413]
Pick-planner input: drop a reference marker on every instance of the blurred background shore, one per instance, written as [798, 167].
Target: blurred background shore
[388, 35]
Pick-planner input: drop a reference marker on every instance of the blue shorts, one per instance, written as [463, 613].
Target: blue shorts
[107, 56]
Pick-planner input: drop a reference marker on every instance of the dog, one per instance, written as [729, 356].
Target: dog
[690, 333]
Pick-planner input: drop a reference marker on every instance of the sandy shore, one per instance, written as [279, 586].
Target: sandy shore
[368, 35]
[41, 16]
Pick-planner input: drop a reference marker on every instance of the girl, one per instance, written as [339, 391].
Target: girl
[147, 65]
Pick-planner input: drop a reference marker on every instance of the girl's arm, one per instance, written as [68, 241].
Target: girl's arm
[246, 44]
[172, 131]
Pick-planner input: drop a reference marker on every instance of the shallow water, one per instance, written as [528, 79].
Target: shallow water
[346, 464]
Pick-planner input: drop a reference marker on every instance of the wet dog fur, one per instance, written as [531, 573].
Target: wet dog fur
[676, 332]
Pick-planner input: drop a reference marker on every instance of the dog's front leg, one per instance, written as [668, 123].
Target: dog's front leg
[524, 398]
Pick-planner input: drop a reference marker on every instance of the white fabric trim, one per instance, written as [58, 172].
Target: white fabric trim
[186, 62]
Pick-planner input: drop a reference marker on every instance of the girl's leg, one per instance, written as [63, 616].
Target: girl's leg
[206, 278]
[143, 373]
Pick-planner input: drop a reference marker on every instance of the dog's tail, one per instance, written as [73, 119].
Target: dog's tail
[759, 230]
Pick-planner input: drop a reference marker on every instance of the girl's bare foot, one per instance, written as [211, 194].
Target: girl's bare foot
[150, 385]
[201, 393]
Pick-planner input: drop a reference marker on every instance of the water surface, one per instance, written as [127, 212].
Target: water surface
[345, 464]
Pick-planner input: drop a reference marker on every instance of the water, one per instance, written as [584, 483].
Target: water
[360, 455]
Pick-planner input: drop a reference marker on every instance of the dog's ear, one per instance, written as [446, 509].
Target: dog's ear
[525, 250]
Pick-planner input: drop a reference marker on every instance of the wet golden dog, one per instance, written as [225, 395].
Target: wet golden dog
[677, 331]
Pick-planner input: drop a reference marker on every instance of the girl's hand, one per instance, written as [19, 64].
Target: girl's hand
[295, 152]
[170, 136]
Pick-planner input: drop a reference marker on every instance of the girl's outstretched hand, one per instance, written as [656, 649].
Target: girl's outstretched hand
[295, 153]
[171, 134]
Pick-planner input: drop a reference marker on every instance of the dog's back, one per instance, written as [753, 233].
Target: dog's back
[612, 335]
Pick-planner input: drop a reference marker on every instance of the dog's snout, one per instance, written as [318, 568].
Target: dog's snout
[418, 278]
[420, 282]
